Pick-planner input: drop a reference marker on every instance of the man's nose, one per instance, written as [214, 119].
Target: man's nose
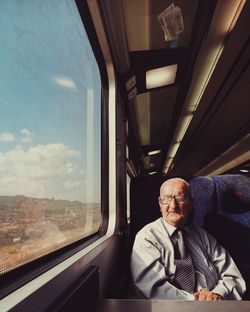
[172, 203]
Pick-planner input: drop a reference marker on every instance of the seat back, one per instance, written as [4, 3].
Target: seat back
[144, 192]
[203, 200]
[232, 223]
[233, 197]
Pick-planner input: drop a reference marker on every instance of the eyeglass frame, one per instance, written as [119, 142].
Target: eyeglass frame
[170, 197]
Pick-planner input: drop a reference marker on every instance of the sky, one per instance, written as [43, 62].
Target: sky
[49, 103]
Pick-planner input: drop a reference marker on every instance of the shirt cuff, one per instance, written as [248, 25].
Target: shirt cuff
[189, 296]
[220, 291]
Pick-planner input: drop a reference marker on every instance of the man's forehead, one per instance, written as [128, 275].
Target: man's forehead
[173, 185]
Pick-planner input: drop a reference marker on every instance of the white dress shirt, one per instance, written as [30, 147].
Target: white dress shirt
[153, 264]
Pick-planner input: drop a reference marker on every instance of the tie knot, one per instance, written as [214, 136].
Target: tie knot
[177, 234]
[178, 243]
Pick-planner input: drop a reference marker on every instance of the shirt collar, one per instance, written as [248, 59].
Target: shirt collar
[169, 228]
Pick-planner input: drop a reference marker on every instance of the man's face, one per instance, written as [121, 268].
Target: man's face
[174, 202]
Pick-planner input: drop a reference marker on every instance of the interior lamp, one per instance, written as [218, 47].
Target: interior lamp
[162, 76]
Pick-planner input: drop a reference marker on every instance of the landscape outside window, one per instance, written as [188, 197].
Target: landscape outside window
[50, 145]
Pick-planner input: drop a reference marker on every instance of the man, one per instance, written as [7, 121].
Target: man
[172, 259]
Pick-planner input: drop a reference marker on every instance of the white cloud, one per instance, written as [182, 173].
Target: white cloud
[7, 137]
[67, 168]
[51, 170]
[26, 136]
[65, 82]
[71, 184]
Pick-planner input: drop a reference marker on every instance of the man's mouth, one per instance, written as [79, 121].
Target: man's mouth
[173, 212]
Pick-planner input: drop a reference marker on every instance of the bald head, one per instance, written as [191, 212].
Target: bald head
[178, 181]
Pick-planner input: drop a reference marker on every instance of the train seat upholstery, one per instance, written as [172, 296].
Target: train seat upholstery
[221, 205]
[233, 197]
[203, 199]
[232, 223]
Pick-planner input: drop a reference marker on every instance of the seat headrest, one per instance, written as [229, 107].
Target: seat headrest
[233, 193]
[203, 198]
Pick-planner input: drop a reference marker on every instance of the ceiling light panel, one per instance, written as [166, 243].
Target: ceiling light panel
[162, 76]
[155, 152]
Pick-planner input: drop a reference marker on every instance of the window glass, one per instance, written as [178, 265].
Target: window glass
[50, 142]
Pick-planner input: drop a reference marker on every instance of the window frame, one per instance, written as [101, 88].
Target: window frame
[20, 276]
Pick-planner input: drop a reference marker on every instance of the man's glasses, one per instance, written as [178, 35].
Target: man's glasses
[180, 199]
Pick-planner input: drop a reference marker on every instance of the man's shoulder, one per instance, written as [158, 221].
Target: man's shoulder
[152, 226]
[152, 233]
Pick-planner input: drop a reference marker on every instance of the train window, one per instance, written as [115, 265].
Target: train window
[50, 130]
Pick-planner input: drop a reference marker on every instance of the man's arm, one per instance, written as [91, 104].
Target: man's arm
[230, 284]
[150, 276]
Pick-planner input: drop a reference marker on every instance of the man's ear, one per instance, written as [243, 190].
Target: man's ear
[159, 202]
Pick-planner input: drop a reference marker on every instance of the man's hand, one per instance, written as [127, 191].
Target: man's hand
[206, 295]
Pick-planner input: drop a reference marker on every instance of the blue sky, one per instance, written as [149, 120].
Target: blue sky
[47, 76]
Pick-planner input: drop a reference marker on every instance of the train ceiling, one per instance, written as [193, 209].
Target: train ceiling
[189, 126]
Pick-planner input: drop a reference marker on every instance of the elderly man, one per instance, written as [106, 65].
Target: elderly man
[172, 259]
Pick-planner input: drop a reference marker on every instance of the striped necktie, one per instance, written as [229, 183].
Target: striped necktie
[185, 273]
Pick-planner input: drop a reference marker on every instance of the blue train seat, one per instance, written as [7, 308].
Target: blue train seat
[203, 199]
[232, 223]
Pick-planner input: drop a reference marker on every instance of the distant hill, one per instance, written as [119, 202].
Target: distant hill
[18, 212]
